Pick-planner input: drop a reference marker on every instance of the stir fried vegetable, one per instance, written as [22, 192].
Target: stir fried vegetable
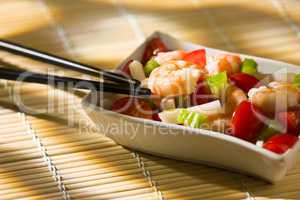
[136, 70]
[190, 87]
[197, 57]
[245, 123]
[190, 118]
[178, 116]
[198, 120]
[202, 94]
[217, 83]
[244, 81]
[150, 66]
[249, 66]
[182, 116]
[290, 121]
[280, 143]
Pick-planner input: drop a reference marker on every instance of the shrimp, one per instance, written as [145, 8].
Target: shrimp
[275, 98]
[174, 77]
[221, 124]
[234, 96]
[164, 57]
[228, 63]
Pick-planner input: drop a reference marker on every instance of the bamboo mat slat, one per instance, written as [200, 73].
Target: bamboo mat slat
[57, 154]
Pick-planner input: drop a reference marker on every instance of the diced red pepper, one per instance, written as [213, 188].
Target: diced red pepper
[274, 148]
[280, 143]
[244, 81]
[134, 107]
[154, 46]
[291, 121]
[197, 57]
[245, 123]
[202, 94]
[156, 117]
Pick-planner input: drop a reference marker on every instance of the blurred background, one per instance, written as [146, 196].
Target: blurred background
[103, 32]
[43, 157]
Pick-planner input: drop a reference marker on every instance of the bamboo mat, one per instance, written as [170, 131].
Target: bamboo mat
[50, 151]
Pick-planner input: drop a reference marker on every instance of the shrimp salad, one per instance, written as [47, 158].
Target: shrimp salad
[223, 93]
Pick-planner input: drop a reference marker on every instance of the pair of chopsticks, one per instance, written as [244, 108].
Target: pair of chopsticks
[112, 82]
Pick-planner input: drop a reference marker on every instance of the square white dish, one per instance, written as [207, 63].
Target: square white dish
[188, 144]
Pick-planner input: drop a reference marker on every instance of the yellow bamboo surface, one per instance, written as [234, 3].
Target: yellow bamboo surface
[51, 151]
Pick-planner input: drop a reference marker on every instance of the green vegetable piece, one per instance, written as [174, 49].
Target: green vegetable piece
[182, 116]
[249, 66]
[273, 128]
[297, 80]
[198, 120]
[217, 83]
[150, 66]
[189, 119]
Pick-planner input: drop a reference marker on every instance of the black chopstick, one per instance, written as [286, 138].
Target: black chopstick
[67, 82]
[65, 63]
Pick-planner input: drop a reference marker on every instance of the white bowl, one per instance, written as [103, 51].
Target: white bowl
[194, 145]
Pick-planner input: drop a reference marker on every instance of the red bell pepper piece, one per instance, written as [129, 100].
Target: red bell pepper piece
[291, 121]
[134, 107]
[152, 48]
[245, 123]
[197, 57]
[155, 117]
[244, 81]
[202, 94]
[280, 143]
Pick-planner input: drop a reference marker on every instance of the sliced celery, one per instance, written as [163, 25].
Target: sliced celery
[150, 66]
[217, 83]
[182, 116]
[189, 118]
[249, 66]
[198, 119]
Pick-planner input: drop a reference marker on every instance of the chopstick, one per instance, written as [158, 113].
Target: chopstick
[65, 63]
[25, 76]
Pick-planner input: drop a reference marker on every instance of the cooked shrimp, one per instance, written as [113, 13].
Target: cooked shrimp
[174, 78]
[228, 63]
[164, 57]
[235, 62]
[221, 124]
[234, 96]
[275, 98]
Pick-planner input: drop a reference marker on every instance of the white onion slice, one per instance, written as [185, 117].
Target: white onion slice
[137, 70]
[211, 108]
